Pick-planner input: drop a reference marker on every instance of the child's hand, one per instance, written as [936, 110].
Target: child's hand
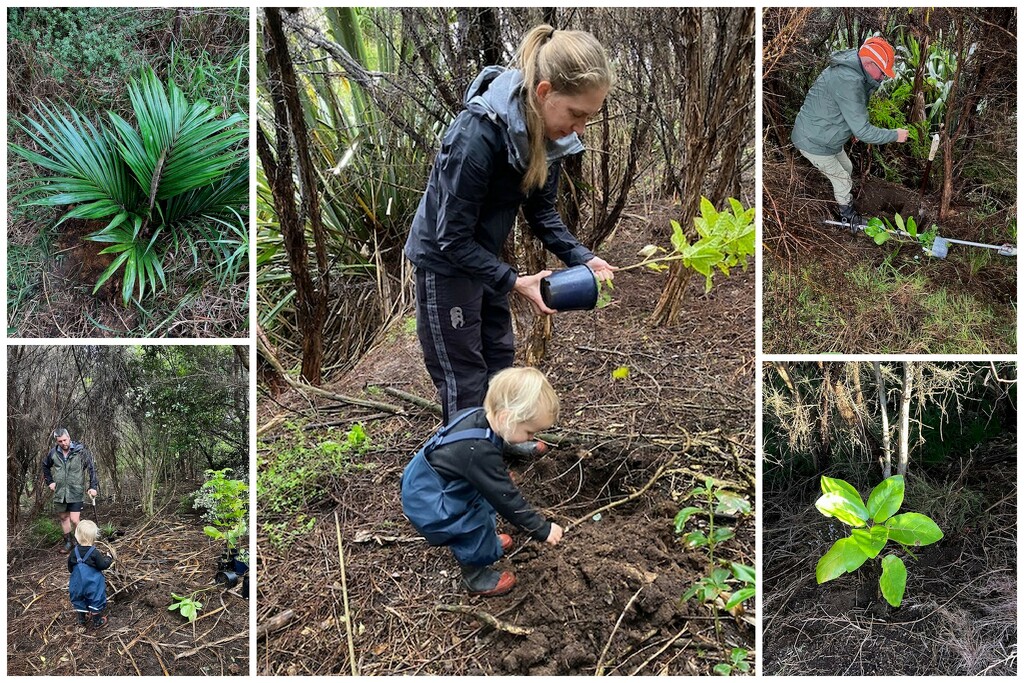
[555, 535]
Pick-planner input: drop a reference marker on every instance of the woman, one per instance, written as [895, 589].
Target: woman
[502, 153]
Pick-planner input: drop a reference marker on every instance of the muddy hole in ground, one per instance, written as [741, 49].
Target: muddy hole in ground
[573, 594]
[79, 260]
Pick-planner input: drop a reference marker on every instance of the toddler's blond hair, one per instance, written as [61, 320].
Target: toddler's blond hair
[85, 532]
[523, 394]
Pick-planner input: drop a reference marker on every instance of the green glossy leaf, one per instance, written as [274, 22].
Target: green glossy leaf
[886, 499]
[913, 529]
[695, 539]
[682, 516]
[722, 669]
[731, 504]
[721, 533]
[743, 572]
[871, 541]
[844, 556]
[839, 504]
[679, 242]
[739, 596]
[894, 580]
[830, 485]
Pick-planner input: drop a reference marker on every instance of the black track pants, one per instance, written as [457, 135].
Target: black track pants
[466, 334]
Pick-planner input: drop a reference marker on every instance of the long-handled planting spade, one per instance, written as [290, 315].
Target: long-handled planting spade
[940, 247]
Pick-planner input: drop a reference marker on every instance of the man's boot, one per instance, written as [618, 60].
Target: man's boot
[486, 582]
[69, 541]
[850, 216]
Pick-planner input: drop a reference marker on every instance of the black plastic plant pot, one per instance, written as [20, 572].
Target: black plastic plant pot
[245, 587]
[240, 567]
[227, 579]
[572, 289]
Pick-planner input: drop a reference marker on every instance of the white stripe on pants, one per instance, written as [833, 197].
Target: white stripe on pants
[839, 170]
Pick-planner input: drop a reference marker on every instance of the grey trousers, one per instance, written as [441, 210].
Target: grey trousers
[839, 170]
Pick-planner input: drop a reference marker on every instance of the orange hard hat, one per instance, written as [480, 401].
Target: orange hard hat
[881, 53]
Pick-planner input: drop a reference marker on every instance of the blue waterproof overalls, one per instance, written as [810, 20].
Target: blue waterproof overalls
[452, 513]
[87, 586]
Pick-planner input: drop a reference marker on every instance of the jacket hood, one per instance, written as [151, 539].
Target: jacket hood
[849, 59]
[498, 91]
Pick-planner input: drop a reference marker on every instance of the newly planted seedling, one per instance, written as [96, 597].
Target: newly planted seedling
[873, 525]
[881, 230]
[737, 662]
[717, 501]
[186, 606]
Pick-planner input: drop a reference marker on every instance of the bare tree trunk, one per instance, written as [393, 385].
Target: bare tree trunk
[289, 125]
[908, 381]
[886, 460]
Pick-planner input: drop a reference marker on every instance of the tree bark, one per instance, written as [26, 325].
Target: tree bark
[310, 296]
[908, 382]
[886, 460]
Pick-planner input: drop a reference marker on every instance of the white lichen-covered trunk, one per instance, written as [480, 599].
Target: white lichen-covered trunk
[908, 381]
[883, 406]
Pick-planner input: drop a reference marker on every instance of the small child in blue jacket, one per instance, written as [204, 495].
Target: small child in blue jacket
[87, 587]
[456, 484]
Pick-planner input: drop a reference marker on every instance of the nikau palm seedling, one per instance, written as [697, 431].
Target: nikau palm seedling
[183, 165]
[873, 525]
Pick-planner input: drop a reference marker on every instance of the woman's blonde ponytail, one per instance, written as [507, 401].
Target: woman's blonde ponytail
[573, 62]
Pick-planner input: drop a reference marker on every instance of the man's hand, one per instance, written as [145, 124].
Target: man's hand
[901, 135]
[602, 270]
[528, 286]
[92, 493]
[555, 535]
[53, 486]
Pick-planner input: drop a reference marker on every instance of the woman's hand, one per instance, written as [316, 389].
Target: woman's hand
[528, 286]
[602, 269]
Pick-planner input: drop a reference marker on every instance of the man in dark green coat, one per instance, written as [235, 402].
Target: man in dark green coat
[836, 109]
[65, 469]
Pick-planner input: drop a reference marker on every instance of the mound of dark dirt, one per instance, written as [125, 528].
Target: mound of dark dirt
[142, 637]
[608, 594]
[958, 615]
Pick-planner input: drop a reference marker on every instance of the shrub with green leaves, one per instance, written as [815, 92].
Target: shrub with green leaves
[226, 503]
[725, 240]
[179, 175]
[873, 525]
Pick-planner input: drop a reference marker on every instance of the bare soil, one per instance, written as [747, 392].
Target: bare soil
[958, 616]
[608, 595]
[142, 637]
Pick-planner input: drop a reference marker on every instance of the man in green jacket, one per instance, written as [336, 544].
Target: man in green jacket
[836, 109]
[65, 468]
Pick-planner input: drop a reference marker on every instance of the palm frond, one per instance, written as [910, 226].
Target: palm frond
[85, 162]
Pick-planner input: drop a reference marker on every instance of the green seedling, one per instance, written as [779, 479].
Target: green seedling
[873, 525]
[881, 230]
[716, 501]
[737, 662]
[186, 606]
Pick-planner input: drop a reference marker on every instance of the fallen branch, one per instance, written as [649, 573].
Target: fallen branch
[264, 348]
[600, 660]
[344, 597]
[488, 619]
[636, 494]
[657, 654]
[196, 650]
[412, 398]
[276, 622]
